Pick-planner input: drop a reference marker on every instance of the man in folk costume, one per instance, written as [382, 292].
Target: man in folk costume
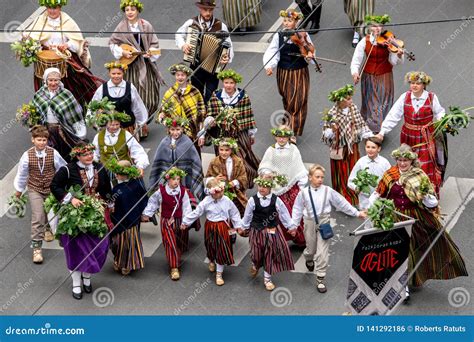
[56, 30]
[377, 88]
[184, 100]
[206, 82]
[143, 72]
[232, 110]
[124, 96]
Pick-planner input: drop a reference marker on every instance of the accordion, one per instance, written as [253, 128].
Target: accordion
[206, 50]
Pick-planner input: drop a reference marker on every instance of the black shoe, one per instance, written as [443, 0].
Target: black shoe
[77, 296]
[310, 265]
[87, 288]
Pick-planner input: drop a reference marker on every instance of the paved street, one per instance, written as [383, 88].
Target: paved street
[443, 50]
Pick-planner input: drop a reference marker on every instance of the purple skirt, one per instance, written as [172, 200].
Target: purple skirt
[78, 248]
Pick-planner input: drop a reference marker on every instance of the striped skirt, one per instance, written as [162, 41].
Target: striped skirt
[377, 98]
[444, 261]
[356, 10]
[128, 250]
[340, 171]
[217, 242]
[288, 198]
[241, 13]
[270, 251]
[293, 86]
[175, 241]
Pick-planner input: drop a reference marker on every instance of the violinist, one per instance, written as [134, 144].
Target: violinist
[290, 55]
[375, 74]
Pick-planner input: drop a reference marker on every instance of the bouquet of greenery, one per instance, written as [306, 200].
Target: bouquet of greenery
[98, 107]
[26, 50]
[364, 181]
[382, 214]
[88, 218]
[452, 122]
[226, 116]
[27, 115]
[326, 117]
[228, 191]
[18, 205]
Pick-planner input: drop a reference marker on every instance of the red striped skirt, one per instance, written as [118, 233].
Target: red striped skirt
[288, 198]
[175, 241]
[340, 171]
[217, 242]
[128, 250]
[270, 251]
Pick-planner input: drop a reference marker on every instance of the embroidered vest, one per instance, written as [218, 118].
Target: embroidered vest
[38, 181]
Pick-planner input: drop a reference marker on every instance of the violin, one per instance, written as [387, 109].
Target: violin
[300, 40]
[394, 45]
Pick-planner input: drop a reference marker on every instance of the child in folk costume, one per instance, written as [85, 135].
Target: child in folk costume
[320, 198]
[130, 200]
[376, 165]
[285, 159]
[230, 169]
[420, 109]
[343, 129]
[232, 111]
[222, 219]
[173, 199]
[377, 87]
[36, 170]
[124, 96]
[268, 247]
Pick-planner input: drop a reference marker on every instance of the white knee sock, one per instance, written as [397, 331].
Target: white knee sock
[267, 276]
[219, 268]
[76, 281]
[86, 278]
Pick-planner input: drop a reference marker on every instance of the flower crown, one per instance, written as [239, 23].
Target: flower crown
[418, 76]
[282, 132]
[341, 93]
[180, 67]
[80, 150]
[404, 154]
[174, 172]
[175, 122]
[52, 3]
[101, 119]
[228, 142]
[116, 65]
[229, 73]
[129, 171]
[217, 189]
[291, 14]
[272, 181]
[377, 19]
[135, 3]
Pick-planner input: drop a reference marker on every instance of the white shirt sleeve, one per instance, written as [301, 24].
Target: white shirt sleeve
[234, 215]
[97, 148]
[284, 215]
[394, 115]
[228, 40]
[394, 59]
[303, 182]
[21, 178]
[339, 202]
[186, 205]
[298, 208]
[80, 129]
[375, 196]
[138, 107]
[430, 201]
[180, 36]
[358, 57]
[153, 205]
[248, 214]
[271, 57]
[252, 132]
[189, 218]
[137, 152]
[438, 111]
[59, 161]
[353, 175]
[73, 46]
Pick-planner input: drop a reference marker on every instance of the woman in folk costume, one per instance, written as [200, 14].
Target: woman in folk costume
[60, 113]
[242, 14]
[285, 159]
[130, 200]
[85, 253]
[413, 194]
[233, 114]
[143, 72]
[343, 129]
[184, 100]
[420, 109]
[227, 167]
[176, 149]
[124, 97]
[357, 10]
[292, 72]
[377, 87]
[55, 29]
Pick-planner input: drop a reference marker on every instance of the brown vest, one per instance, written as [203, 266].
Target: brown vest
[377, 63]
[38, 181]
[217, 26]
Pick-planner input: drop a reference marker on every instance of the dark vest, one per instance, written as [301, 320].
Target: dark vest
[287, 61]
[264, 217]
[168, 203]
[122, 104]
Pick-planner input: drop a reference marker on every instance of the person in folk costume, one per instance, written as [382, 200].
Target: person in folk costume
[413, 195]
[420, 109]
[60, 112]
[176, 149]
[343, 129]
[36, 170]
[311, 10]
[322, 198]
[204, 81]
[174, 201]
[55, 29]
[130, 200]
[232, 110]
[242, 14]
[222, 220]
[375, 75]
[143, 72]
[268, 247]
[85, 253]
[115, 142]
[125, 97]
[184, 100]
[357, 10]
[227, 167]
[292, 72]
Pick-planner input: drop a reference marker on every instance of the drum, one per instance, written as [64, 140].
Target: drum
[51, 59]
